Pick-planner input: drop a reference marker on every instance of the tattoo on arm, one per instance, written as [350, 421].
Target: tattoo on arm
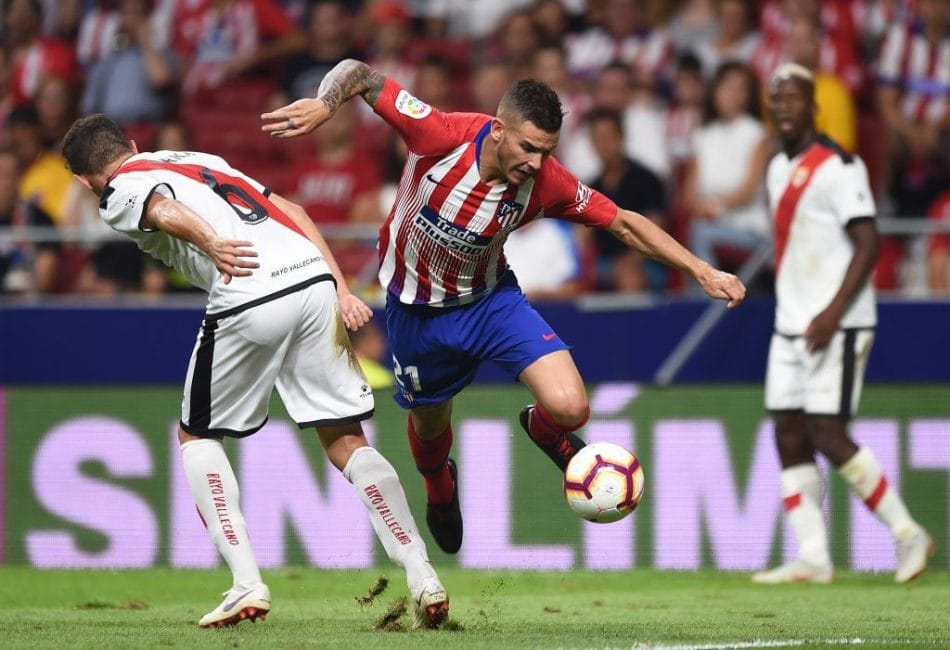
[348, 79]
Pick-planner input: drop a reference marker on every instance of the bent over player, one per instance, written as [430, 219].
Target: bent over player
[451, 300]
[825, 248]
[284, 325]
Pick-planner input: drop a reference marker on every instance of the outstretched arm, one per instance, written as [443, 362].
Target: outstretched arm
[346, 80]
[636, 231]
[230, 256]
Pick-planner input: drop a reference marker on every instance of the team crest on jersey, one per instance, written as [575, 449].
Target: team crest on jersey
[800, 176]
[509, 212]
[411, 106]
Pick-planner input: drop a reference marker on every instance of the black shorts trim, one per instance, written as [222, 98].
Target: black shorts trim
[199, 404]
[337, 421]
[847, 373]
[286, 291]
[217, 433]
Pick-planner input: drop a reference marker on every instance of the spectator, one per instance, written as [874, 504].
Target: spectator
[172, 136]
[625, 35]
[839, 40]
[692, 23]
[837, 116]
[552, 20]
[938, 250]
[56, 108]
[515, 44]
[392, 35]
[434, 77]
[34, 56]
[44, 179]
[329, 39]
[220, 40]
[133, 82]
[685, 114]
[633, 187]
[914, 103]
[336, 183]
[97, 29]
[644, 119]
[723, 189]
[370, 347]
[490, 81]
[550, 67]
[556, 275]
[468, 19]
[24, 267]
[736, 37]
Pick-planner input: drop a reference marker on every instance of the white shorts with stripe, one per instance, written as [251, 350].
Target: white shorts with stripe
[296, 342]
[828, 382]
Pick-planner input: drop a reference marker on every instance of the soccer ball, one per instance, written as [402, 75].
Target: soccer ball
[603, 482]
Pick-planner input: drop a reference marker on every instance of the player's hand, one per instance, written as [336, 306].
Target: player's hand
[355, 312]
[821, 329]
[724, 286]
[298, 118]
[232, 258]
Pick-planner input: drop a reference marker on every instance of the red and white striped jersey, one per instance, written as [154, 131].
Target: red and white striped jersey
[235, 205]
[443, 242]
[920, 69]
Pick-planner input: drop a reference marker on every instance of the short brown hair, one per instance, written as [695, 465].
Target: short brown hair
[92, 142]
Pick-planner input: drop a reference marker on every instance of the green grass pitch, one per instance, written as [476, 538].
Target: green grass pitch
[635, 609]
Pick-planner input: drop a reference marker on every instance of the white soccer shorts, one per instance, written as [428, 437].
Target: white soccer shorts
[826, 383]
[296, 342]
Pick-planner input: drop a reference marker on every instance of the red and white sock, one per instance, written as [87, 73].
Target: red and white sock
[381, 492]
[543, 428]
[864, 474]
[430, 457]
[801, 493]
[216, 493]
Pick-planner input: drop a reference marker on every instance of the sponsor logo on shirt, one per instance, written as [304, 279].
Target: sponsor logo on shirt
[582, 198]
[411, 106]
[447, 234]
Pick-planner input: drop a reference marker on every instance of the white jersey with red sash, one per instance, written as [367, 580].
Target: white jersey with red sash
[813, 197]
[443, 242]
[235, 205]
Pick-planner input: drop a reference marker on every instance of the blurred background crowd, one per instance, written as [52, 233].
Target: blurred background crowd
[664, 100]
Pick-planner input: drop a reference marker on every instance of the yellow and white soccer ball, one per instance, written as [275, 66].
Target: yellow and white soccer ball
[603, 482]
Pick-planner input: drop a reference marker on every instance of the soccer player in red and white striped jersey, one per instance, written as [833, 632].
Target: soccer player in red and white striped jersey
[452, 302]
[825, 248]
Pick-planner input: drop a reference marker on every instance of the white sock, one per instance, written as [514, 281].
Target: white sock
[216, 493]
[866, 478]
[381, 492]
[801, 492]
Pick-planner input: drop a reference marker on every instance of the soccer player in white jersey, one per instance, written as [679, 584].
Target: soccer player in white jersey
[452, 302]
[277, 315]
[825, 248]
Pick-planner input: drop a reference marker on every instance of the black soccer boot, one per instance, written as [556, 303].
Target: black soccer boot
[562, 451]
[445, 519]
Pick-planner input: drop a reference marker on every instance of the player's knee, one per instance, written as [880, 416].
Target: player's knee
[571, 413]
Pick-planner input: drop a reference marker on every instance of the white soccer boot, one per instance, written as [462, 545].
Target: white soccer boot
[912, 554]
[430, 604]
[239, 604]
[795, 571]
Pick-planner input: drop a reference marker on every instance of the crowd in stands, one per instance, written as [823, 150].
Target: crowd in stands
[664, 109]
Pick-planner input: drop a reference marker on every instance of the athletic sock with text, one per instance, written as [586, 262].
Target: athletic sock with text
[379, 489]
[216, 493]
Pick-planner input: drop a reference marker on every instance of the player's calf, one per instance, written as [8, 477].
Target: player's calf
[558, 443]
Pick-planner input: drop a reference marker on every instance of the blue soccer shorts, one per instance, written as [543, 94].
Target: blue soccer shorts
[437, 351]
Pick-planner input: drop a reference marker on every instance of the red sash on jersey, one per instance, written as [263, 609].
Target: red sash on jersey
[194, 173]
[785, 210]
